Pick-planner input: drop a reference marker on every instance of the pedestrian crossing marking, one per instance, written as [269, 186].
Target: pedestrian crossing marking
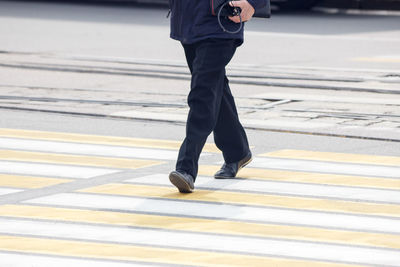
[296, 220]
[6, 191]
[308, 177]
[394, 59]
[31, 182]
[222, 211]
[202, 225]
[53, 170]
[335, 157]
[98, 139]
[86, 149]
[76, 159]
[31, 260]
[289, 202]
[324, 191]
[85, 249]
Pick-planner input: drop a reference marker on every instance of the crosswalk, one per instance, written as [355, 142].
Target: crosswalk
[87, 200]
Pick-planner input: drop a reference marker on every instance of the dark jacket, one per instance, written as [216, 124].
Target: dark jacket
[192, 21]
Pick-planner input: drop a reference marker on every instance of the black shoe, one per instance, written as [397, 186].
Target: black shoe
[229, 170]
[182, 180]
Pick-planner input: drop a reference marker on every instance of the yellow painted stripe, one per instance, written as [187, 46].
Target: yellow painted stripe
[97, 139]
[335, 157]
[202, 225]
[144, 254]
[308, 177]
[19, 181]
[249, 199]
[76, 159]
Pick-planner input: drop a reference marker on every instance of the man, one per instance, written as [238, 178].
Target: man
[208, 49]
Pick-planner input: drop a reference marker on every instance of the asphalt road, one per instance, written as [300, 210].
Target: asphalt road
[315, 73]
[92, 101]
[302, 39]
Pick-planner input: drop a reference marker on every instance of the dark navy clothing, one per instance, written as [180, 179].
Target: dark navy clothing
[192, 21]
[208, 51]
[212, 107]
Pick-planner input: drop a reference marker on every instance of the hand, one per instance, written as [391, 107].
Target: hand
[246, 13]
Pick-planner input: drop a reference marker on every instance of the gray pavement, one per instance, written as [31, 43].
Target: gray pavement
[354, 105]
[314, 73]
[93, 104]
[313, 39]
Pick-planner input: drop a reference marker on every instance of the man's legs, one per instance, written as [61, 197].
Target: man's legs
[211, 105]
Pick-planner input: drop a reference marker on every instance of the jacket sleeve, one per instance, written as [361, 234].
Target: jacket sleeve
[258, 3]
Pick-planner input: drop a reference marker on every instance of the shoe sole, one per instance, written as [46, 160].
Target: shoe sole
[180, 183]
[228, 177]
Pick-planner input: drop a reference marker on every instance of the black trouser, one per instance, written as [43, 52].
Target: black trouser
[212, 107]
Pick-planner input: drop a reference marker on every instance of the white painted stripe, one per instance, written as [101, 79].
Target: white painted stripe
[223, 211]
[323, 97]
[23, 260]
[52, 170]
[248, 122]
[326, 167]
[272, 187]
[245, 245]
[150, 115]
[86, 149]
[284, 123]
[5, 191]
